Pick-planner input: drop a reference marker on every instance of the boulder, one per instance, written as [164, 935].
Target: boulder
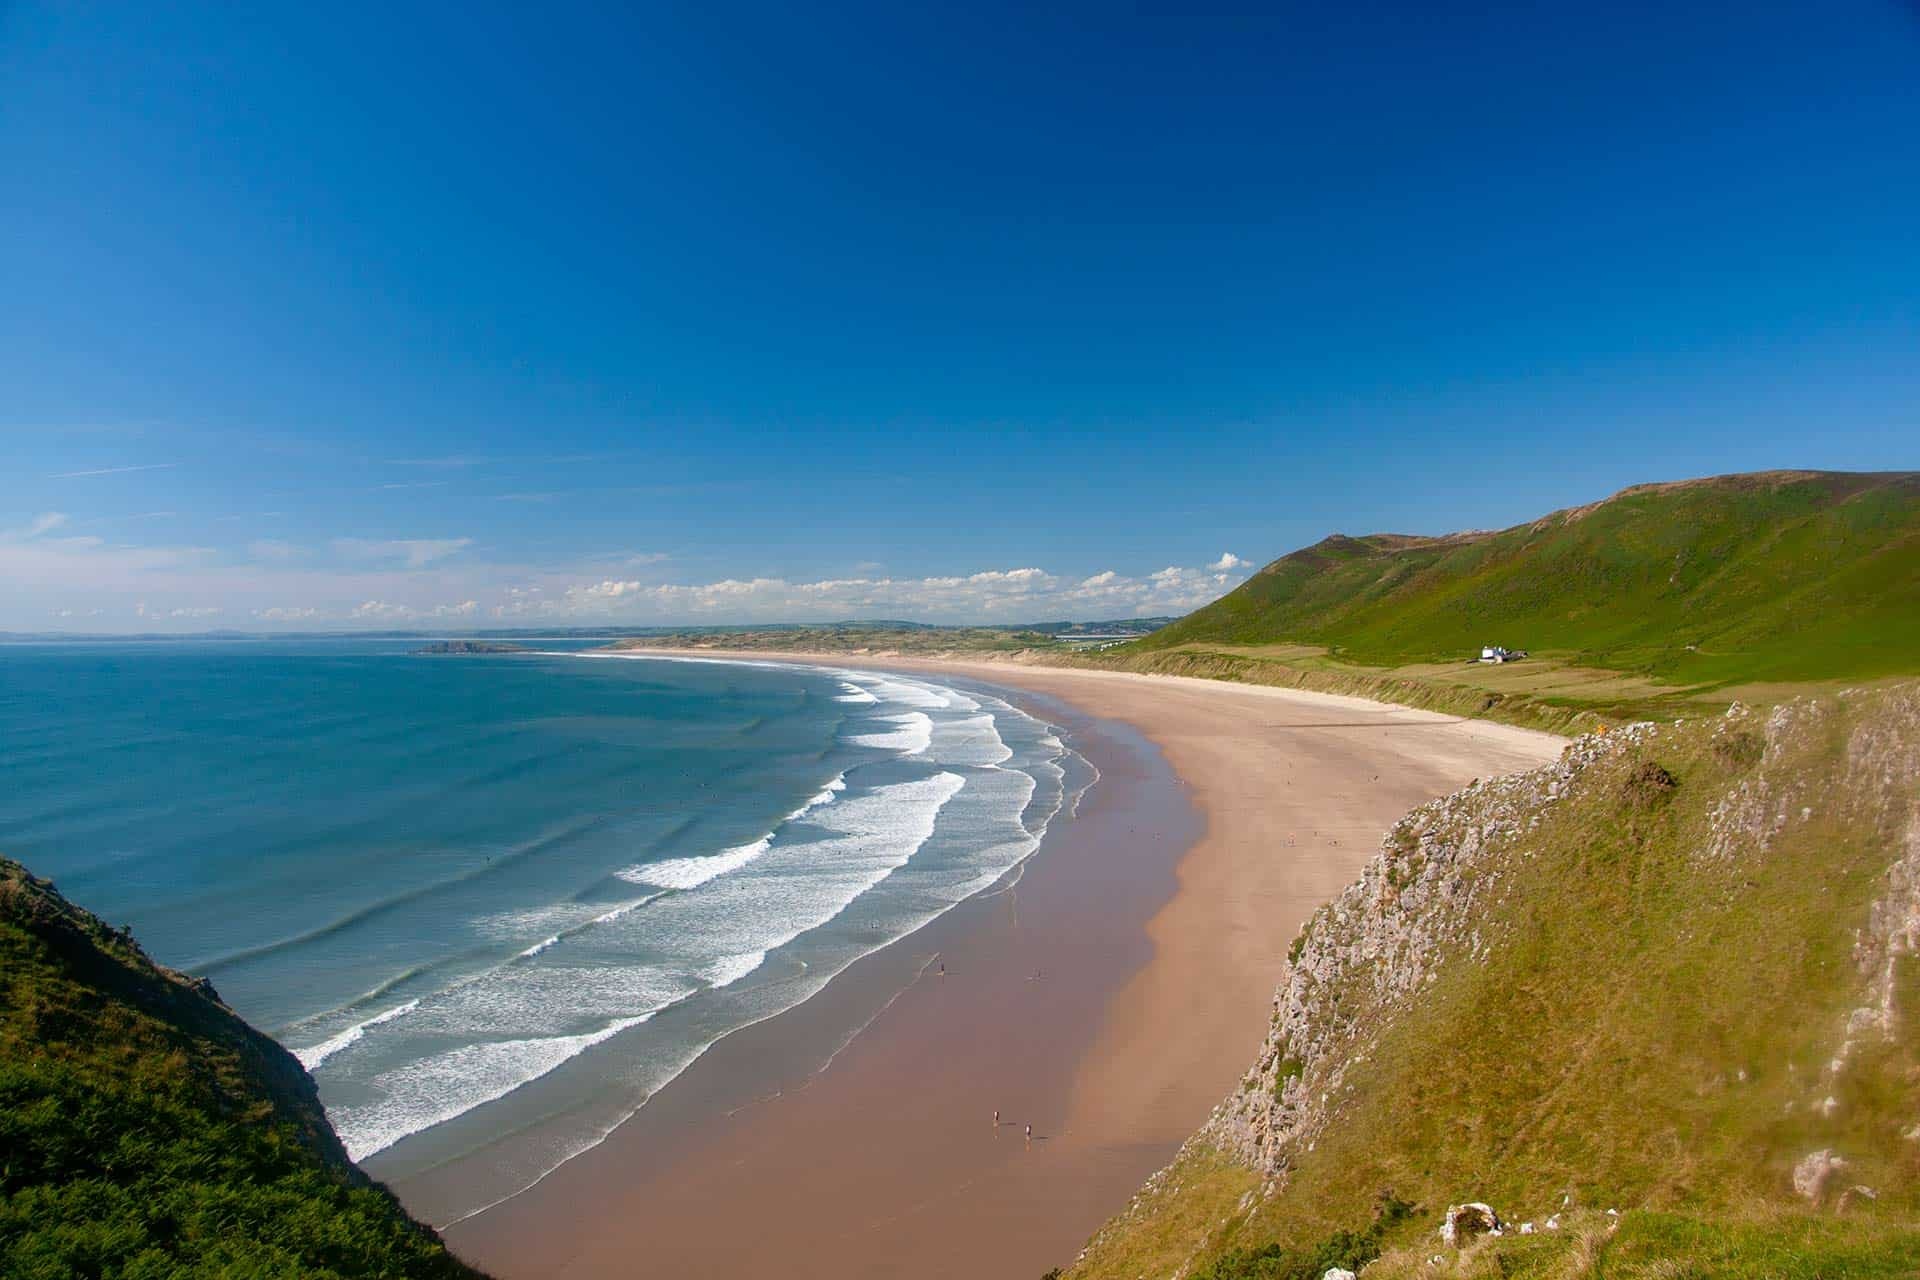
[1466, 1221]
[1810, 1175]
[1854, 1195]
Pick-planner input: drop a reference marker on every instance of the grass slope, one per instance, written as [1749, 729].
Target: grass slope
[1776, 576]
[1621, 985]
[146, 1131]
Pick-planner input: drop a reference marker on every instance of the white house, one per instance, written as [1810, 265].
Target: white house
[1494, 653]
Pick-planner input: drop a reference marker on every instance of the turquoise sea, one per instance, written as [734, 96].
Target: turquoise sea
[465, 890]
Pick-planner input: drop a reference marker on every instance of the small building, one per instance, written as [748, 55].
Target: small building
[1494, 653]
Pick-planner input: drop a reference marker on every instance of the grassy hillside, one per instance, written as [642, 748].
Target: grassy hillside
[1657, 977]
[146, 1131]
[1699, 585]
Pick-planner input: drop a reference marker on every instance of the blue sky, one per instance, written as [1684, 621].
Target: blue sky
[335, 316]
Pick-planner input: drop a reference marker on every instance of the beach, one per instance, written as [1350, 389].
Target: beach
[1108, 997]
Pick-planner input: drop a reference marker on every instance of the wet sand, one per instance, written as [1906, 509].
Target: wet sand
[1109, 998]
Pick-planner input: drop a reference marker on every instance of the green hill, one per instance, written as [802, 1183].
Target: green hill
[1687, 587]
[146, 1131]
[1672, 975]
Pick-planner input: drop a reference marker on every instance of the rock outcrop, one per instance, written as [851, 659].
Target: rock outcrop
[1378, 945]
[1465, 1222]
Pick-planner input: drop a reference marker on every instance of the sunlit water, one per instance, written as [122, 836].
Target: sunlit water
[445, 881]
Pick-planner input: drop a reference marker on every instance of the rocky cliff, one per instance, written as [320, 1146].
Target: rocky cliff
[1671, 973]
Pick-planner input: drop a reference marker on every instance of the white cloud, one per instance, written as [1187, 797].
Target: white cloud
[367, 582]
[608, 590]
[141, 610]
[415, 553]
[1022, 579]
[111, 471]
[383, 611]
[449, 462]
[1008, 595]
[1227, 563]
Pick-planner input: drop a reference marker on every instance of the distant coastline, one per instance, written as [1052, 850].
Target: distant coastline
[439, 647]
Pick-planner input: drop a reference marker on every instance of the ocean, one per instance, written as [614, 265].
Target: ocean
[498, 895]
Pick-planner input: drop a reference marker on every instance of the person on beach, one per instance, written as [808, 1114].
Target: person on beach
[996, 1117]
[1029, 1131]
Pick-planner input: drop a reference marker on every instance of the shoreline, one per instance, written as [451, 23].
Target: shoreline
[1159, 938]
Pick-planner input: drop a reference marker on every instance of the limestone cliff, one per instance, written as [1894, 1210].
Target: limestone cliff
[1671, 973]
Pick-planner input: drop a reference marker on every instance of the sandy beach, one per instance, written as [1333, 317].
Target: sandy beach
[1108, 999]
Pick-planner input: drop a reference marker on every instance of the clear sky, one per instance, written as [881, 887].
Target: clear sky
[336, 315]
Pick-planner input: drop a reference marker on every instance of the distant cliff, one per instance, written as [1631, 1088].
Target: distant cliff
[146, 1130]
[1655, 1002]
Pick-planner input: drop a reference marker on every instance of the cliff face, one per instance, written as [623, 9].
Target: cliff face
[149, 1130]
[1675, 972]
[1377, 946]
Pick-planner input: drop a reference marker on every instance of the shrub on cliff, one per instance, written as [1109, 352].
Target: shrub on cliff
[146, 1131]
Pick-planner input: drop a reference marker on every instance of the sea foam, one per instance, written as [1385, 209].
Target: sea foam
[313, 1055]
[434, 1090]
[908, 734]
[711, 922]
[691, 873]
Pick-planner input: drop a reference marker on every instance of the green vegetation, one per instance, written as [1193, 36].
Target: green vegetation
[1347, 1250]
[877, 639]
[146, 1131]
[1536, 694]
[854, 639]
[1664, 600]
[1659, 594]
[1640, 1008]
[1671, 1246]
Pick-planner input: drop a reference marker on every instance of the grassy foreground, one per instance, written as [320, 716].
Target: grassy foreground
[146, 1131]
[1654, 978]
